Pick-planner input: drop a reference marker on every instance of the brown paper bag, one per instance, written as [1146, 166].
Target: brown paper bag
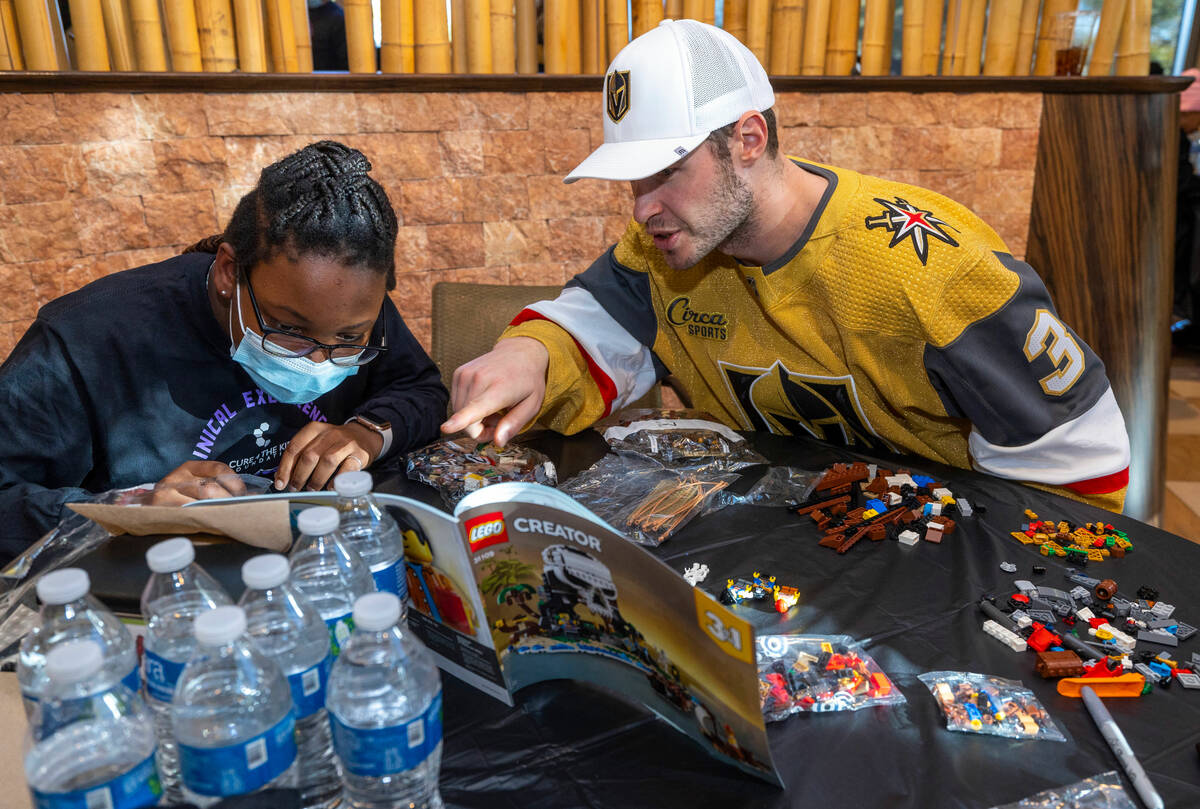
[263, 524]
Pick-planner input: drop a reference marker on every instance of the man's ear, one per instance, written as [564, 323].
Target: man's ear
[224, 272]
[750, 133]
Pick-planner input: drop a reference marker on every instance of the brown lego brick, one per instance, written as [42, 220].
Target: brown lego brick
[1059, 664]
[824, 505]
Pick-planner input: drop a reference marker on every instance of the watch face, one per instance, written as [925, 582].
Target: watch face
[378, 427]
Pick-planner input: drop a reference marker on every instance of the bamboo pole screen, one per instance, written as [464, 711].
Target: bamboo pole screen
[816, 38]
[433, 37]
[758, 29]
[646, 15]
[91, 49]
[37, 37]
[1004, 22]
[183, 36]
[396, 52]
[1026, 35]
[11, 47]
[974, 52]
[479, 36]
[735, 18]
[692, 10]
[504, 37]
[842, 50]
[58, 36]
[360, 35]
[591, 38]
[117, 32]
[1112, 15]
[459, 38]
[1133, 43]
[931, 49]
[527, 46]
[912, 39]
[304, 58]
[251, 39]
[281, 36]
[876, 38]
[787, 37]
[1045, 45]
[147, 26]
[214, 21]
[562, 36]
[616, 21]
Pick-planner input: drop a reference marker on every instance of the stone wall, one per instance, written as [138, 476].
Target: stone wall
[94, 183]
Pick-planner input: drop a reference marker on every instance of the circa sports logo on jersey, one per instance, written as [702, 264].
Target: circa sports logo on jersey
[906, 221]
[712, 325]
[616, 95]
[777, 400]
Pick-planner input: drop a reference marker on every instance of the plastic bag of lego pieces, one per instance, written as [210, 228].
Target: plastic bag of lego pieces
[782, 486]
[981, 703]
[458, 466]
[1103, 791]
[818, 673]
[679, 438]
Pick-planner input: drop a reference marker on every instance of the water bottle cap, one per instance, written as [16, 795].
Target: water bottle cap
[219, 626]
[376, 612]
[171, 555]
[353, 484]
[268, 570]
[318, 521]
[63, 586]
[74, 661]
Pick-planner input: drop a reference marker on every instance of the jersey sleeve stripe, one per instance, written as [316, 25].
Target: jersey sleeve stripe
[608, 391]
[1102, 485]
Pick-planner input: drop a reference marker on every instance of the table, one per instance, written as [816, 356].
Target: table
[915, 609]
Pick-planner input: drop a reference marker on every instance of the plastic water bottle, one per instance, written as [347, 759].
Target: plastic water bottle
[372, 532]
[330, 574]
[385, 706]
[232, 714]
[286, 627]
[178, 591]
[90, 742]
[69, 613]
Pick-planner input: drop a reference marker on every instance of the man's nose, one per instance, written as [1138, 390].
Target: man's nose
[645, 200]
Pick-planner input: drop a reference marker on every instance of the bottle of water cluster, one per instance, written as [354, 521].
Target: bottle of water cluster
[69, 613]
[286, 627]
[90, 742]
[385, 706]
[232, 714]
[330, 574]
[178, 591]
[372, 532]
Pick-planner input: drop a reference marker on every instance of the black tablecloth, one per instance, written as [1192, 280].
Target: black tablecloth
[915, 610]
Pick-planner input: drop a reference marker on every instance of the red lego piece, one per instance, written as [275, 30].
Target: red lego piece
[1042, 638]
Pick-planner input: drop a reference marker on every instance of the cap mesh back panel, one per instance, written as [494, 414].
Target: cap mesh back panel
[714, 73]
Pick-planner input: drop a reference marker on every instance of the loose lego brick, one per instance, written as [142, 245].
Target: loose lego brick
[1030, 514]
[1163, 638]
[1184, 631]
[1042, 639]
[1039, 570]
[932, 510]
[1043, 616]
[909, 538]
[1021, 618]
[1147, 672]
[1162, 609]
[1161, 623]
[933, 534]
[964, 507]
[1105, 589]
[1188, 679]
[824, 505]
[1059, 664]
[1010, 639]
[1025, 587]
[1008, 567]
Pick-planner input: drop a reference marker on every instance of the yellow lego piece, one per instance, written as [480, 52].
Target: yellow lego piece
[1023, 538]
[1029, 513]
[1063, 527]
[1094, 555]
[869, 513]
[1124, 543]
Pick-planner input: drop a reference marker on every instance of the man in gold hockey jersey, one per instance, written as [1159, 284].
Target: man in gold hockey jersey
[796, 298]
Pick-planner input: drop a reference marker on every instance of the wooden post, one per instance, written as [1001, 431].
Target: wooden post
[735, 19]
[37, 38]
[1026, 35]
[183, 37]
[248, 18]
[504, 37]
[87, 18]
[360, 35]
[647, 14]
[758, 30]
[148, 35]
[117, 32]
[396, 53]
[1112, 14]
[561, 38]
[912, 38]
[527, 46]
[931, 49]
[214, 21]
[787, 37]
[459, 37]
[1133, 43]
[816, 38]
[876, 40]
[10, 44]
[1004, 22]
[616, 17]
[281, 34]
[842, 51]
[304, 59]
[591, 39]
[1045, 45]
[433, 38]
[975, 22]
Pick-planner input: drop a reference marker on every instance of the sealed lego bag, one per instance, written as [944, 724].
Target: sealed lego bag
[678, 438]
[779, 486]
[458, 466]
[818, 673]
[1103, 791]
[981, 703]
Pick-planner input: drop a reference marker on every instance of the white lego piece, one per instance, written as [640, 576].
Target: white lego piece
[909, 538]
[1021, 619]
[900, 480]
[1025, 587]
[696, 574]
[1009, 638]
[872, 470]
[935, 526]
[942, 492]
[1084, 614]
[894, 499]
[1008, 567]
[964, 508]
[934, 508]
[1122, 641]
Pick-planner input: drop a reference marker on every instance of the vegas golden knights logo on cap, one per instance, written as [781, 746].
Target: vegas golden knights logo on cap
[617, 95]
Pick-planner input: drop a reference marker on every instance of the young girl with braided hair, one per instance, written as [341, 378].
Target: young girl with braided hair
[271, 349]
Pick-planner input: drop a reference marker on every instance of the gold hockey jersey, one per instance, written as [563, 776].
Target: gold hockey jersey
[897, 321]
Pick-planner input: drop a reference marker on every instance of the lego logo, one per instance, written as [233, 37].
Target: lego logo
[485, 530]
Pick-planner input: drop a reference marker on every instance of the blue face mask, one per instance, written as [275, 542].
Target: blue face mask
[292, 380]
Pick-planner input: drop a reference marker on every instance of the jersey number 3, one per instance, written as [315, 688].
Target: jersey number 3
[1049, 335]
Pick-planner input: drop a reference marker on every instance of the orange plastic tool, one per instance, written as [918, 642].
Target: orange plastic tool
[1127, 685]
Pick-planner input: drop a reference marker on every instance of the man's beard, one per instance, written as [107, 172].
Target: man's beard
[729, 223]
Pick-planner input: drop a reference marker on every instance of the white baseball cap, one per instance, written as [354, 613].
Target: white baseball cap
[666, 91]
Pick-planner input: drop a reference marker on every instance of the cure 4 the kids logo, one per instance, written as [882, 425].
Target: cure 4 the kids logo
[485, 530]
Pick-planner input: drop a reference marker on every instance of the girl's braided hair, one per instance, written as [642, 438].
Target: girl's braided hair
[319, 200]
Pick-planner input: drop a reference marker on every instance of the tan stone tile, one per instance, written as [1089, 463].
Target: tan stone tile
[972, 110]
[957, 185]
[41, 173]
[462, 152]
[1013, 228]
[566, 150]
[844, 109]
[412, 293]
[920, 147]
[1018, 148]
[123, 167]
[487, 199]
[226, 199]
[111, 223]
[318, 115]
[29, 118]
[1183, 455]
[99, 116]
[554, 111]
[171, 115]
[37, 231]
[8, 339]
[412, 245]
[550, 198]
[1003, 191]
[577, 239]
[422, 329]
[553, 272]
[431, 202]
[18, 297]
[1020, 110]
[455, 246]
[49, 279]
[614, 229]
[492, 111]
[472, 275]
[972, 148]
[507, 243]
[245, 114]
[1181, 502]
[515, 152]
[190, 164]
[402, 156]
[867, 149]
[797, 109]
[180, 219]
[406, 112]
[902, 109]
[246, 157]
[805, 142]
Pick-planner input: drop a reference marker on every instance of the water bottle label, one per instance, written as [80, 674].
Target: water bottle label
[161, 675]
[133, 680]
[239, 768]
[340, 629]
[308, 688]
[386, 751]
[386, 579]
[134, 789]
